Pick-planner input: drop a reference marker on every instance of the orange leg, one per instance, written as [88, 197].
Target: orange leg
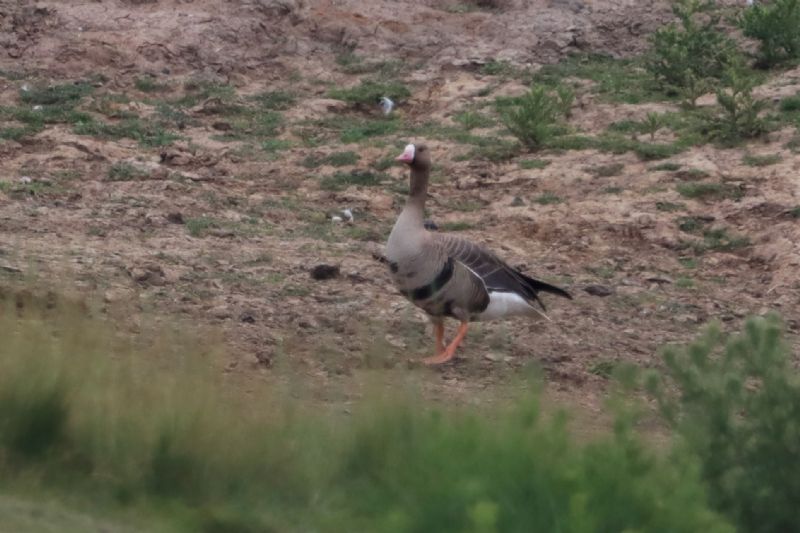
[450, 351]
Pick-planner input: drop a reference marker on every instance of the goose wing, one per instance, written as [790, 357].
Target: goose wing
[496, 274]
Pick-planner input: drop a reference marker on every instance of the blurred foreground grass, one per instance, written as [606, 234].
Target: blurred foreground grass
[145, 435]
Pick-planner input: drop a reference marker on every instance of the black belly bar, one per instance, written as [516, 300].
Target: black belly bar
[426, 291]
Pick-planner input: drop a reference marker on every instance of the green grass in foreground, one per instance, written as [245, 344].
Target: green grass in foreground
[154, 438]
[147, 434]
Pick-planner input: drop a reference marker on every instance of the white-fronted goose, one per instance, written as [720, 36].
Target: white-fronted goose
[448, 276]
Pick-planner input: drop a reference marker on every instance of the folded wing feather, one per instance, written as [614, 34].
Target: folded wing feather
[495, 273]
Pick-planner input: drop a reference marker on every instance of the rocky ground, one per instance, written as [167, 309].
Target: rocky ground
[212, 198]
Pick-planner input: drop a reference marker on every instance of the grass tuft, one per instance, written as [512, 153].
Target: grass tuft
[342, 180]
[369, 91]
[54, 95]
[708, 190]
[761, 160]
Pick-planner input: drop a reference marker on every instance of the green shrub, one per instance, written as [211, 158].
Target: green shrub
[537, 117]
[736, 403]
[777, 27]
[124, 171]
[67, 94]
[359, 131]
[158, 432]
[148, 84]
[761, 160]
[276, 100]
[473, 119]
[790, 104]
[528, 164]
[342, 180]
[498, 68]
[738, 118]
[495, 150]
[708, 190]
[686, 55]
[369, 91]
[148, 134]
[336, 159]
[615, 80]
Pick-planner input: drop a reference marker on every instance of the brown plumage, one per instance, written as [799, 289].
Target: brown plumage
[448, 276]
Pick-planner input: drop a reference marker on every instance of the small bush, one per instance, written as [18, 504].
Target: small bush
[739, 116]
[336, 159]
[125, 172]
[548, 198]
[67, 94]
[342, 180]
[670, 206]
[148, 84]
[199, 90]
[777, 26]
[529, 164]
[496, 150]
[498, 68]
[168, 439]
[686, 55]
[148, 134]
[472, 119]
[605, 171]
[736, 403]
[666, 167]
[275, 100]
[708, 190]
[199, 226]
[719, 240]
[369, 91]
[790, 104]
[362, 130]
[538, 116]
[615, 80]
[761, 160]
[273, 146]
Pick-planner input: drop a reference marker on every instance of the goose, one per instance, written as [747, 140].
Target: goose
[448, 276]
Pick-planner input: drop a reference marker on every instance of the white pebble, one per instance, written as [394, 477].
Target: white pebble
[336, 218]
[348, 215]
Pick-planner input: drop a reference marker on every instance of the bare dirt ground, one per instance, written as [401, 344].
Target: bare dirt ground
[220, 232]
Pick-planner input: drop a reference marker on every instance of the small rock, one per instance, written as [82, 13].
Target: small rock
[323, 271]
[221, 126]
[356, 277]
[139, 274]
[116, 295]
[175, 217]
[149, 274]
[247, 317]
[307, 323]
[336, 218]
[517, 201]
[394, 341]
[495, 357]
[598, 290]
